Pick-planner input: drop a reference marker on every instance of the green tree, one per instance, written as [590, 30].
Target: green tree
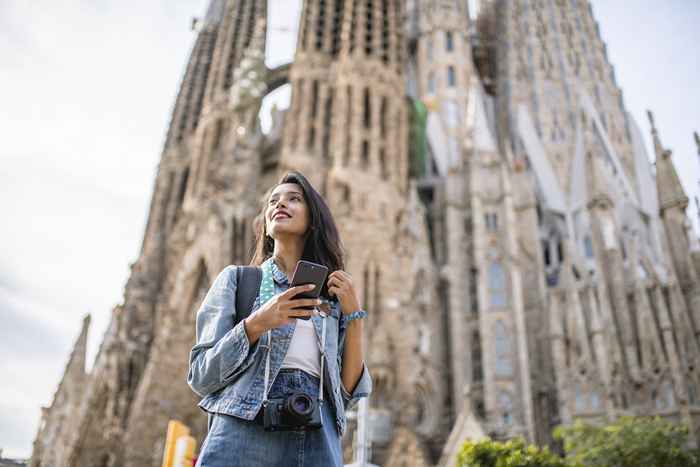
[513, 453]
[628, 442]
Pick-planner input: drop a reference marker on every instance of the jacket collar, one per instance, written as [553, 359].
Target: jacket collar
[277, 274]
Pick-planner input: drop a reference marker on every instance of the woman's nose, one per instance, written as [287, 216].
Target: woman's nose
[280, 203]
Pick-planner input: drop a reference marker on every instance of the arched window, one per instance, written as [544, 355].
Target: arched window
[451, 112]
[367, 118]
[595, 401]
[579, 399]
[588, 246]
[451, 77]
[424, 339]
[668, 396]
[663, 397]
[503, 350]
[497, 284]
[505, 404]
[449, 41]
[692, 394]
[477, 370]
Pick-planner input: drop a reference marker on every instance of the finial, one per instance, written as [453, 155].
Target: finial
[658, 147]
[650, 115]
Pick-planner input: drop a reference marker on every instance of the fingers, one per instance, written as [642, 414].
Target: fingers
[340, 274]
[339, 278]
[303, 302]
[293, 291]
[299, 313]
[334, 282]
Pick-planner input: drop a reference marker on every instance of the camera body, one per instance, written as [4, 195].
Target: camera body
[296, 412]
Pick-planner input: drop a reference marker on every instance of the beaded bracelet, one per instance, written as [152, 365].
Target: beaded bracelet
[359, 314]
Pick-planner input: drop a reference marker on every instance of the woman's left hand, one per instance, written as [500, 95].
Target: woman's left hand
[340, 285]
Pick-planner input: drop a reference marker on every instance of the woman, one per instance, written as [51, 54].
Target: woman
[229, 364]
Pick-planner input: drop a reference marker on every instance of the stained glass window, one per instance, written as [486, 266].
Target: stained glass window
[503, 350]
[497, 284]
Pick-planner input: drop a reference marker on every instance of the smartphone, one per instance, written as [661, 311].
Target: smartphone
[307, 272]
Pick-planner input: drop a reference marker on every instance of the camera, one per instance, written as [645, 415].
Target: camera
[298, 412]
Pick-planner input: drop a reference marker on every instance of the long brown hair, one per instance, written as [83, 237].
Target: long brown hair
[322, 245]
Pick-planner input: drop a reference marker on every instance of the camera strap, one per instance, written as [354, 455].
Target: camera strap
[267, 291]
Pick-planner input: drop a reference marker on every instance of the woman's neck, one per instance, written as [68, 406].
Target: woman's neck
[287, 254]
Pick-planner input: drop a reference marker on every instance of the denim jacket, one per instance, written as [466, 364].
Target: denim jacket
[228, 372]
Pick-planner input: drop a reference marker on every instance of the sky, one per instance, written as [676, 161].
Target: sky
[86, 90]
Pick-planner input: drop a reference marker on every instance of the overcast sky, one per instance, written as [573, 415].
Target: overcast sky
[86, 89]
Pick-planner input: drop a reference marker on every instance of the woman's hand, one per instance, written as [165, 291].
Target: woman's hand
[278, 311]
[340, 285]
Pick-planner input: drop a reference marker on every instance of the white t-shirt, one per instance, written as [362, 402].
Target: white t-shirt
[303, 352]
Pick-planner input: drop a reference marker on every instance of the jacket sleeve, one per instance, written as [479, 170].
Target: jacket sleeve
[363, 388]
[222, 351]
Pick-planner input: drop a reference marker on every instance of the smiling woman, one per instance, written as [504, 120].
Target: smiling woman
[293, 412]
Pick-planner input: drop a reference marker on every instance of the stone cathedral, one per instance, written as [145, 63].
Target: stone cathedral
[523, 262]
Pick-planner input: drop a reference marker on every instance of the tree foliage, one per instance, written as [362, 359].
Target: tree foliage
[513, 453]
[628, 442]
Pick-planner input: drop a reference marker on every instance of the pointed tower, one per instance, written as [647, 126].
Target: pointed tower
[440, 79]
[672, 205]
[57, 424]
[342, 127]
[443, 74]
[187, 111]
[75, 370]
[671, 192]
[188, 105]
[550, 55]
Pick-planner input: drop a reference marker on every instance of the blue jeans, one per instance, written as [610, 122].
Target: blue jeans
[233, 442]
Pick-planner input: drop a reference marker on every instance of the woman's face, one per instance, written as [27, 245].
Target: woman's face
[286, 212]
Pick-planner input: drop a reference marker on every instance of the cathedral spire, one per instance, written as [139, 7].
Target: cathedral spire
[658, 147]
[697, 144]
[74, 373]
[668, 184]
[76, 363]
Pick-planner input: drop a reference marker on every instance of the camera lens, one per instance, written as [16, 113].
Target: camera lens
[300, 405]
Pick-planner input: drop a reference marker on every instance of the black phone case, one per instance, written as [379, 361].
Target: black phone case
[307, 272]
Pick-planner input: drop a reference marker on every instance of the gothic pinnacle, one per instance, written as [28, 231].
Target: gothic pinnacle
[658, 148]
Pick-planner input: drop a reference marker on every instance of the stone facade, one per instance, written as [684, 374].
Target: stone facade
[522, 262]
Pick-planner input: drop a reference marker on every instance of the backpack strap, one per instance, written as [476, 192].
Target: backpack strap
[248, 279]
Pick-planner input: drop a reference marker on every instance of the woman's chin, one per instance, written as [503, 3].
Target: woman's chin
[280, 230]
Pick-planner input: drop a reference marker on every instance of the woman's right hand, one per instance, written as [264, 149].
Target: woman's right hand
[278, 311]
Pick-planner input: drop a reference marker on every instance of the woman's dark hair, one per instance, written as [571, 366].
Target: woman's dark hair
[322, 245]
